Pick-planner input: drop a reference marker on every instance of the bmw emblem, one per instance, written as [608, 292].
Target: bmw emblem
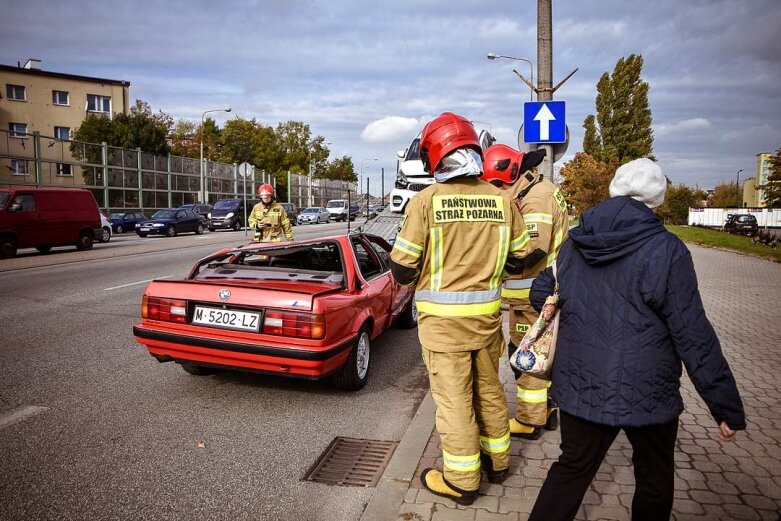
[224, 294]
[526, 360]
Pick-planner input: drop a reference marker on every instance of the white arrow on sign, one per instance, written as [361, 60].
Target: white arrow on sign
[544, 116]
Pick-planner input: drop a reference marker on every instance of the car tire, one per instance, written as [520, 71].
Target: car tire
[236, 225]
[44, 249]
[7, 247]
[355, 372]
[85, 241]
[105, 236]
[199, 230]
[120, 229]
[142, 234]
[170, 231]
[198, 370]
[408, 318]
[211, 229]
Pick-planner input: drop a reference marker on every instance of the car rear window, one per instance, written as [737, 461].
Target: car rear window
[747, 218]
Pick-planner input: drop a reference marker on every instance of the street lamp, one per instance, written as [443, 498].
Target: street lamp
[360, 183]
[310, 168]
[492, 56]
[737, 188]
[203, 181]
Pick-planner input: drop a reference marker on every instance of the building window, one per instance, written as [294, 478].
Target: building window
[18, 129]
[60, 97]
[97, 103]
[19, 167]
[64, 170]
[15, 92]
[63, 133]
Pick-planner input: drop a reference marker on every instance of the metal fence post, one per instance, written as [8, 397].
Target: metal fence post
[37, 152]
[235, 180]
[206, 169]
[170, 194]
[140, 180]
[104, 160]
[288, 186]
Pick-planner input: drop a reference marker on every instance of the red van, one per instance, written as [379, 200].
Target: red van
[45, 217]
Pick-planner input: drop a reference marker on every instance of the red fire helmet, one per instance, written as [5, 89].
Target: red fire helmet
[444, 134]
[502, 163]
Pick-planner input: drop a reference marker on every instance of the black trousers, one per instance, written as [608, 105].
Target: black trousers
[583, 447]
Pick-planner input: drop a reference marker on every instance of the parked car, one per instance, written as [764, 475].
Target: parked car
[170, 222]
[340, 210]
[105, 229]
[741, 224]
[228, 214]
[292, 212]
[201, 209]
[370, 212]
[45, 217]
[122, 222]
[307, 309]
[314, 215]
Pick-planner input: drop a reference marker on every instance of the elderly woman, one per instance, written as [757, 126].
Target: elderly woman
[630, 314]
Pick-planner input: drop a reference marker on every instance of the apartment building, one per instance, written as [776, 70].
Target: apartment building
[53, 104]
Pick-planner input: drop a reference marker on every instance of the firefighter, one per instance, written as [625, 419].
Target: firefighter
[268, 218]
[457, 239]
[544, 212]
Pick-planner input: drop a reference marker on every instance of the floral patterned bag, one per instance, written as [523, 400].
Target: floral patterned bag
[538, 347]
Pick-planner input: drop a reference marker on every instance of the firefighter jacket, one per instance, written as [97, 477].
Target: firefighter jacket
[457, 236]
[544, 212]
[273, 223]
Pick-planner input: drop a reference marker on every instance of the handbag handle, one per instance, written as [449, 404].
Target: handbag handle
[555, 277]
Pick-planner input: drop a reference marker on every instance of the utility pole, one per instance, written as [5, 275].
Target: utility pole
[382, 186]
[545, 71]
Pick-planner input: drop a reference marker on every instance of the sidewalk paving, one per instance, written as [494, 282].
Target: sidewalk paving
[714, 480]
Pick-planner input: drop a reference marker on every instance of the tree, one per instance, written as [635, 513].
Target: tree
[341, 169]
[140, 128]
[724, 194]
[677, 201]
[184, 139]
[299, 149]
[586, 181]
[621, 130]
[773, 186]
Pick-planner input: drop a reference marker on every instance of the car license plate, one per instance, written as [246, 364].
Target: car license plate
[226, 318]
[145, 229]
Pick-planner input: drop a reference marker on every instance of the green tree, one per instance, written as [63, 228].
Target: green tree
[773, 186]
[184, 139]
[341, 169]
[677, 201]
[724, 194]
[622, 129]
[586, 181]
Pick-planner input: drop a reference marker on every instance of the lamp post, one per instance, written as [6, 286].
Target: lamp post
[492, 56]
[203, 181]
[737, 188]
[310, 169]
[360, 183]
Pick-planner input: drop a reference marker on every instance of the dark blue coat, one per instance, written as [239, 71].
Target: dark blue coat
[630, 314]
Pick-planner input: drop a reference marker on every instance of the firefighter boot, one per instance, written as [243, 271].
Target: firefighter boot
[494, 476]
[529, 432]
[436, 483]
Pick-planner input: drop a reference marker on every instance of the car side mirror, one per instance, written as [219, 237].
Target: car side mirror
[401, 154]
[16, 207]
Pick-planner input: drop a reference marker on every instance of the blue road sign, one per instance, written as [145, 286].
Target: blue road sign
[544, 122]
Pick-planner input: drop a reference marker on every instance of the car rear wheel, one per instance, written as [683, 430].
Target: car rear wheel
[236, 225]
[142, 234]
[170, 231]
[199, 230]
[7, 247]
[44, 249]
[408, 318]
[198, 370]
[211, 229]
[85, 241]
[120, 229]
[355, 372]
[105, 235]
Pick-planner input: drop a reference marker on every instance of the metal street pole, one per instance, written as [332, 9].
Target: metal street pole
[360, 182]
[737, 188]
[545, 71]
[203, 180]
[492, 56]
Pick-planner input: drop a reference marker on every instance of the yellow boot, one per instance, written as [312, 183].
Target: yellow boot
[530, 432]
[436, 483]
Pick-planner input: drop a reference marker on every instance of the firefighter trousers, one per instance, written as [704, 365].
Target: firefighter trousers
[532, 403]
[471, 411]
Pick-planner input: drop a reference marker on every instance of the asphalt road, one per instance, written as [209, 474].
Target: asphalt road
[92, 427]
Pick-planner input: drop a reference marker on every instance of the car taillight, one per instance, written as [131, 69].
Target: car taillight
[166, 309]
[300, 325]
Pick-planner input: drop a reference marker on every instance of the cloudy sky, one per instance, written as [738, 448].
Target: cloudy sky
[368, 75]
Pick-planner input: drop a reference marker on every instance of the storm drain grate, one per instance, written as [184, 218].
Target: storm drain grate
[353, 463]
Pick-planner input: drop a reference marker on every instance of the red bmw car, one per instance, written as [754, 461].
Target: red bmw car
[307, 309]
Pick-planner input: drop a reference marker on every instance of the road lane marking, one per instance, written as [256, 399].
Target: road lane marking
[136, 283]
[20, 414]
